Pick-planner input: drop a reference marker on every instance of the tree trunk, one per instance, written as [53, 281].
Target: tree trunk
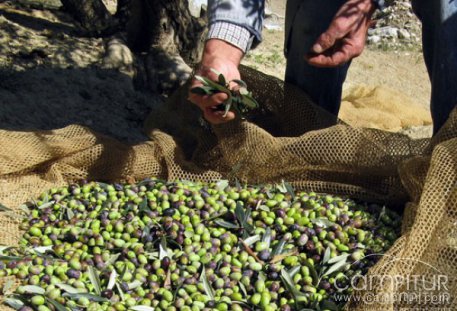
[172, 38]
[91, 14]
[166, 24]
[164, 35]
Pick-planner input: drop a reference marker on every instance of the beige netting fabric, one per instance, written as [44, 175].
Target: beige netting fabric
[288, 139]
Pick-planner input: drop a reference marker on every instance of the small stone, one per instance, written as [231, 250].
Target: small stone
[404, 34]
[374, 39]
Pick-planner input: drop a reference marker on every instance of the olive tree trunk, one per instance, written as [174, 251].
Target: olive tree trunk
[91, 14]
[168, 34]
[165, 38]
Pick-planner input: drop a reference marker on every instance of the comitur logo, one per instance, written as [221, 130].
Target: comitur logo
[428, 289]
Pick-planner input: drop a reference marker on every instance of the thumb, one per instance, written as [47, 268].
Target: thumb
[327, 39]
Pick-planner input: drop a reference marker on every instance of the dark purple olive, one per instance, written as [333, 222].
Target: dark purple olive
[46, 279]
[309, 246]
[264, 255]
[211, 304]
[165, 263]
[325, 285]
[273, 276]
[73, 274]
[281, 213]
[169, 212]
[107, 293]
[248, 273]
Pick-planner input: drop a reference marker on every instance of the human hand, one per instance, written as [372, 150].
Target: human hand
[225, 59]
[345, 38]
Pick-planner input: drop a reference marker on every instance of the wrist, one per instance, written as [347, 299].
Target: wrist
[220, 49]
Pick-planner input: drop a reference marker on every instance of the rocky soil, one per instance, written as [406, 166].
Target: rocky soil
[397, 28]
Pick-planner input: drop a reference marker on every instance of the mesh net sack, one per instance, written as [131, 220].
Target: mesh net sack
[287, 139]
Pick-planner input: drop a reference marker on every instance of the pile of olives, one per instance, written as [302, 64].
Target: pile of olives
[183, 245]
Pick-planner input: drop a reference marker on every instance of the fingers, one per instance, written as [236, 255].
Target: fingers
[208, 105]
[326, 40]
[208, 101]
[336, 56]
[217, 116]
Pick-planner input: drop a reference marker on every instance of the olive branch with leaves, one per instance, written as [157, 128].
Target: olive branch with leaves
[239, 98]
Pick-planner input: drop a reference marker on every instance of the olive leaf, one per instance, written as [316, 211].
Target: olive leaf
[9, 258]
[112, 279]
[206, 285]
[3, 208]
[228, 105]
[120, 291]
[281, 187]
[222, 184]
[8, 287]
[134, 284]
[252, 239]
[164, 251]
[241, 83]
[33, 289]
[14, 303]
[226, 224]
[57, 305]
[112, 259]
[68, 288]
[91, 297]
[289, 284]
[243, 289]
[70, 213]
[267, 237]
[294, 271]
[202, 90]
[237, 184]
[42, 249]
[327, 254]
[280, 257]
[335, 267]
[141, 308]
[24, 208]
[249, 102]
[342, 257]
[322, 222]
[278, 249]
[382, 212]
[4, 248]
[143, 206]
[289, 189]
[94, 279]
[240, 214]
[46, 205]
